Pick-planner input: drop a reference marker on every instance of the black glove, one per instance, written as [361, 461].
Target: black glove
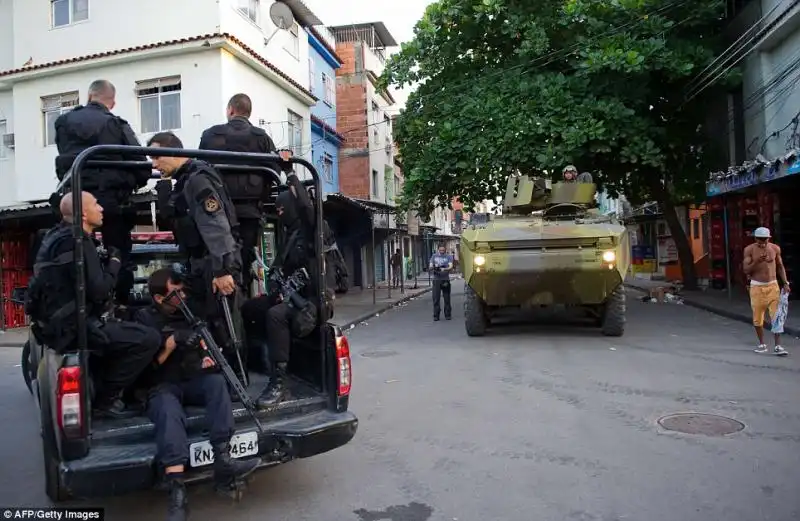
[114, 253]
[187, 339]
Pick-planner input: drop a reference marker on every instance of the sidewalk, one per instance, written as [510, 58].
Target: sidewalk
[351, 309]
[717, 302]
[356, 305]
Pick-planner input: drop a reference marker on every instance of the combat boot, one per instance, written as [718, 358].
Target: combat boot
[178, 502]
[228, 470]
[276, 389]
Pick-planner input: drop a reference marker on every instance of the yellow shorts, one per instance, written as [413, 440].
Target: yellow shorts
[764, 298]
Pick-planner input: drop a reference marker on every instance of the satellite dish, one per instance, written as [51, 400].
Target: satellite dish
[281, 15]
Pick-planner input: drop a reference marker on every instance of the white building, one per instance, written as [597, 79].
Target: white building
[175, 65]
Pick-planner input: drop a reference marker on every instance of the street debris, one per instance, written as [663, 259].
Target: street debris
[664, 295]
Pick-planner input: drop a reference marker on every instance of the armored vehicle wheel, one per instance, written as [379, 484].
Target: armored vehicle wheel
[475, 319]
[613, 323]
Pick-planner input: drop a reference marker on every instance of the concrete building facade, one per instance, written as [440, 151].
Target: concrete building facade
[325, 140]
[175, 66]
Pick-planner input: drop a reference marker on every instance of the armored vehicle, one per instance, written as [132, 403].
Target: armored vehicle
[550, 247]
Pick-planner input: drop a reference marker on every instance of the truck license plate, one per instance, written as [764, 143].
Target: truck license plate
[242, 446]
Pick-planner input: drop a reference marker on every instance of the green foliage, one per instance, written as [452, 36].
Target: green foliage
[515, 85]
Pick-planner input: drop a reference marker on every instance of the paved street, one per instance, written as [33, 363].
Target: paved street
[544, 422]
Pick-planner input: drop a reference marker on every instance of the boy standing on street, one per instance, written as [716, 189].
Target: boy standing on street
[763, 264]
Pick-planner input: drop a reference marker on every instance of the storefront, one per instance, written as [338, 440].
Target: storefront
[744, 198]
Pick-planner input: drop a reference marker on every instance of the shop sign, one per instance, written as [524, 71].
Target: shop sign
[750, 178]
[380, 220]
[667, 251]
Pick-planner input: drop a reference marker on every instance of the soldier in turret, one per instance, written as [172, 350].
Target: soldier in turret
[570, 174]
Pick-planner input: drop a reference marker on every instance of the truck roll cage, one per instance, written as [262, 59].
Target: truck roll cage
[260, 164]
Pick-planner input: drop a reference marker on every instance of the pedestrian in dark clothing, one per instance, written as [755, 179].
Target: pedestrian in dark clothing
[247, 190]
[125, 349]
[397, 268]
[441, 264]
[94, 124]
[184, 374]
[206, 230]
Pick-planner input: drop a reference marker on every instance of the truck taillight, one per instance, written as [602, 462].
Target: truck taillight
[69, 401]
[343, 357]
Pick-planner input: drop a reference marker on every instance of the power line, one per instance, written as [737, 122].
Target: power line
[697, 79]
[740, 58]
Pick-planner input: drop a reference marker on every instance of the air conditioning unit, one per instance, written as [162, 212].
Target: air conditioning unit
[8, 140]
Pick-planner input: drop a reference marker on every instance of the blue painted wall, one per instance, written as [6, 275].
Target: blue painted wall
[322, 61]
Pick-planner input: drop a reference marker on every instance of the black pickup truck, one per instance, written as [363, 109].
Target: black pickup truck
[86, 457]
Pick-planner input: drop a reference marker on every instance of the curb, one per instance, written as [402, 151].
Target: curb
[381, 309]
[732, 315]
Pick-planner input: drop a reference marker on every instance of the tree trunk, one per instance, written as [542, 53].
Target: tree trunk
[682, 244]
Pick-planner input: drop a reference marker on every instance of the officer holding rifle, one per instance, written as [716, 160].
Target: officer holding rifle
[184, 373]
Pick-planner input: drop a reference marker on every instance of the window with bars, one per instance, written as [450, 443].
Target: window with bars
[3, 132]
[67, 12]
[159, 104]
[52, 108]
[375, 185]
[249, 9]
[292, 45]
[329, 88]
[327, 167]
[295, 132]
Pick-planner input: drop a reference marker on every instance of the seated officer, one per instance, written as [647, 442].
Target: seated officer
[268, 315]
[183, 373]
[125, 348]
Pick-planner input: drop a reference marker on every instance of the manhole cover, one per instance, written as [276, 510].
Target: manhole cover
[706, 424]
[378, 354]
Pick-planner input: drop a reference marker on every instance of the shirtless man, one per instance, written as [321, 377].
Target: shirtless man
[763, 264]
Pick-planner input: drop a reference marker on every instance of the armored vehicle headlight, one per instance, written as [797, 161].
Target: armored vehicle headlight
[609, 256]
[480, 260]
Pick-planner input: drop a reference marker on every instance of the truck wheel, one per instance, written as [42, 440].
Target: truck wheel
[474, 313]
[52, 484]
[614, 313]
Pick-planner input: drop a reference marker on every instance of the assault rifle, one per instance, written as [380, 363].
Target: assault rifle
[237, 344]
[216, 354]
[288, 287]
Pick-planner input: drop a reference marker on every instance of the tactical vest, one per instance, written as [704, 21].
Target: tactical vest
[84, 127]
[185, 229]
[51, 294]
[240, 136]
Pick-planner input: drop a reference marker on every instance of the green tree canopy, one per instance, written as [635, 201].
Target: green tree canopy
[517, 85]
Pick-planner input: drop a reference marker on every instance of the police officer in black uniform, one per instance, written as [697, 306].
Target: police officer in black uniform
[94, 124]
[247, 191]
[125, 348]
[184, 374]
[206, 229]
[269, 317]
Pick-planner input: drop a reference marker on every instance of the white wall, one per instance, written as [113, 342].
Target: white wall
[7, 178]
[378, 158]
[201, 98]
[7, 35]
[271, 102]
[254, 36]
[112, 24]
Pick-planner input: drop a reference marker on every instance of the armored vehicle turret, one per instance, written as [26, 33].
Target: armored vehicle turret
[550, 247]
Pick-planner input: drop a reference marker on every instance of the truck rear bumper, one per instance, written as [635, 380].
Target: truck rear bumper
[113, 469]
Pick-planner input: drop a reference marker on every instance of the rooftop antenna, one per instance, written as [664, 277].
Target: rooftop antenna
[282, 17]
